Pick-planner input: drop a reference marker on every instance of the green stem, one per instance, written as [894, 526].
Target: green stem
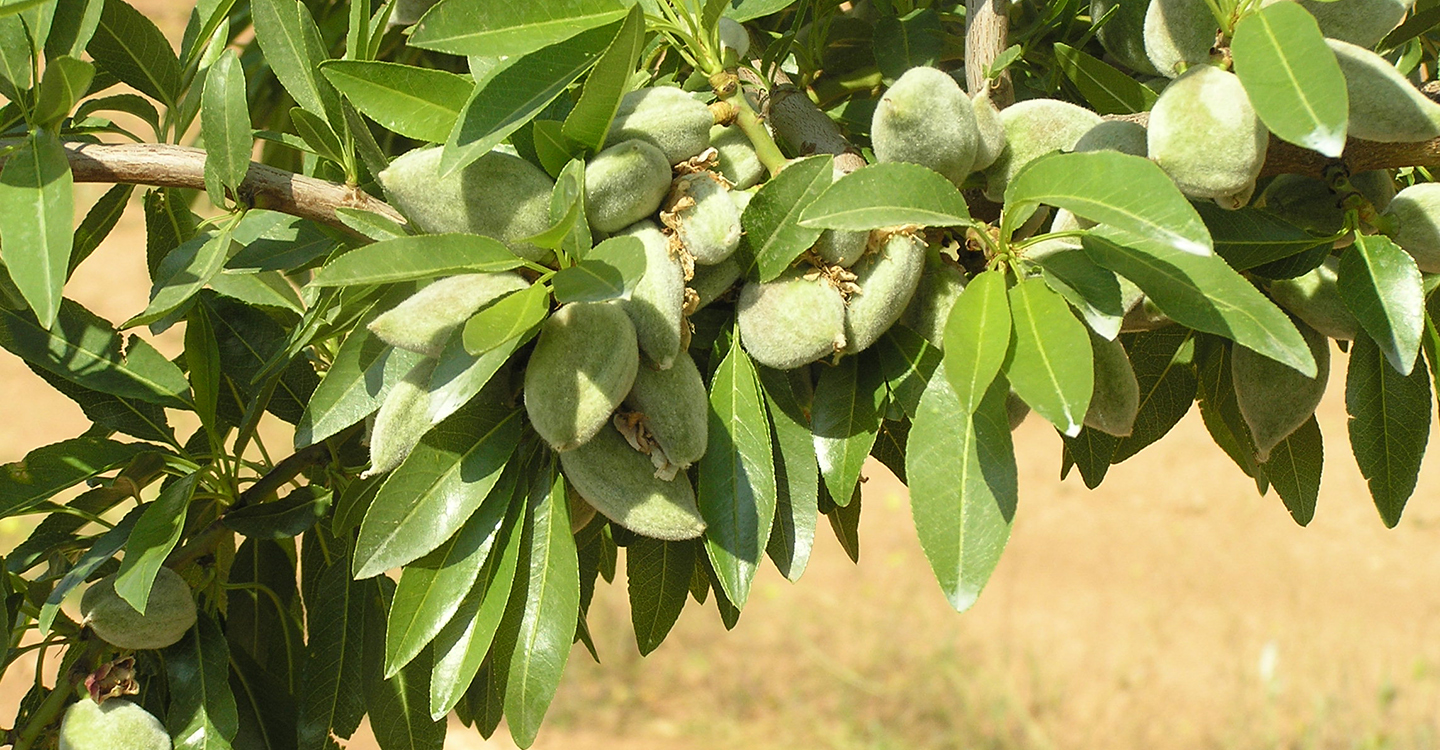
[749, 123]
[54, 704]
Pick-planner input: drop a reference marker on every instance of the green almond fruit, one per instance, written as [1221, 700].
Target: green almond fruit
[1377, 185]
[403, 418]
[1415, 213]
[736, 157]
[886, 281]
[498, 195]
[1115, 400]
[677, 410]
[925, 118]
[940, 286]
[989, 129]
[427, 318]
[582, 367]
[791, 321]
[656, 305]
[1123, 35]
[1305, 202]
[1205, 134]
[1360, 22]
[1115, 135]
[703, 216]
[710, 282]
[625, 183]
[1275, 399]
[839, 247]
[1315, 299]
[115, 724]
[666, 117]
[1179, 34]
[1033, 128]
[1384, 105]
[620, 482]
[169, 613]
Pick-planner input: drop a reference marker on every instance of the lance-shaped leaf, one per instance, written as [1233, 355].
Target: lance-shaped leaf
[589, 122]
[1108, 90]
[844, 419]
[419, 103]
[1093, 291]
[962, 487]
[331, 694]
[609, 271]
[361, 375]
[444, 479]
[659, 575]
[65, 83]
[1164, 369]
[202, 712]
[509, 317]
[154, 535]
[1381, 284]
[736, 493]
[182, 274]
[294, 49]
[887, 195]
[396, 706]
[37, 207]
[99, 553]
[552, 606]
[225, 125]
[518, 93]
[1389, 425]
[415, 258]
[1292, 77]
[773, 236]
[477, 27]
[130, 47]
[797, 473]
[1127, 192]
[1249, 237]
[1050, 364]
[54, 468]
[1203, 293]
[903, 42]
[1294, 470]
[977, 337]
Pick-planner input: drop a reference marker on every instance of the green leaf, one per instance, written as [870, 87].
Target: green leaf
[589, 122]
[1292, 77]
[361, 375]
[736, 493]
[977, 337]
[773, 236]
[37, 211]
[294, 50]
[202, 713]
[962, 487]
[1090, 452]
[447, 476]
[1204, 293]
[659, 582]
[1389, 425]
[183, 273]
[1164, 371]
[1126, 192]
[749, 10]
[415, 258]
[419, 103]
[168, 222]
[431, 589]
[1294, 470]
[476, 27]
[202, 355]
[1248, 237]
[331, 697]
[45, 471]
[15, 68]
[1219, 406]
[154, 535]
[131, 416]
[265, 708]
[907, 361]
[552, 603]
[99, 222]
[396, 706]
[459, 375]
[225, 126]
[462, 644]
[84, 349]
[99, 553]
[797, 473]
[1381, 284]
[506, 319]
[73, 26]
[517, 94]
[281, 519]
[132, 104]
[249, 340]
[908, 41]
[318, 135]
[65, 83]
[844, 419]
[1050, 364]
[19, 6]
[1109, 91]
[886, 195]
[130, 47]
[609, 271]
[1093, 291]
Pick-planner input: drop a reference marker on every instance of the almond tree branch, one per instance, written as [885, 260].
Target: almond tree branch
[987, 31]
[163, 165]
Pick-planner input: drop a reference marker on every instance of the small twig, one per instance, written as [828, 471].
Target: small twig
[164, 165]
[987, 32]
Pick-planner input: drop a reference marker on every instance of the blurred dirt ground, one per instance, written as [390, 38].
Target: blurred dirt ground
[1171, 608]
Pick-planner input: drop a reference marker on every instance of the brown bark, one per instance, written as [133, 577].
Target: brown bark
[987, 31]
[163, 165]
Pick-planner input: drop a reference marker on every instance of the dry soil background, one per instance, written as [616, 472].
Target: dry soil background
[1171, 608]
